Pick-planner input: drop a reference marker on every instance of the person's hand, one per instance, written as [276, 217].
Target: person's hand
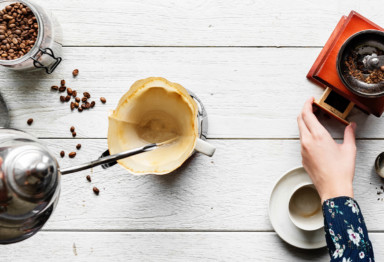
[331, 166]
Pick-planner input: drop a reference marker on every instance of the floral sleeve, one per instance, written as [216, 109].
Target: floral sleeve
[345, 231]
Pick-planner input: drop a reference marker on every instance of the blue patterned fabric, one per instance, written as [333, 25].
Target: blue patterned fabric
[345, 231]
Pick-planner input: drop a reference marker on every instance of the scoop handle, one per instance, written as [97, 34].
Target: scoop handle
[108, 159]
[204, 147]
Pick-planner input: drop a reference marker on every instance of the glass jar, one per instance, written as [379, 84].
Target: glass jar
[47, 50]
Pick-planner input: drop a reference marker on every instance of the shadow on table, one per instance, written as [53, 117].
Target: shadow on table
[29, 80]
[306, 254]
[175, 176]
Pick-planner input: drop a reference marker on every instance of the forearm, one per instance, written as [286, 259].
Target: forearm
[345, 230]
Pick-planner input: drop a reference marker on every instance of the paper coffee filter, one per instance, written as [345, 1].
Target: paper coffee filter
[152, 111]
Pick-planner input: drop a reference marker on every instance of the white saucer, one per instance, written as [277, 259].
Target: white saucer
[279, 214]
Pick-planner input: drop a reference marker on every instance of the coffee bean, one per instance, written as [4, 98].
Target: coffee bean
[62, 98]
[103, 100]
[87, 95]
[78, 146]
[77, 99]
[30, 121]
[72, 129]
[89, 178]
[80, 109]
[67, 98]
[62, 82]
[74, 93]
[84, 99]
[93, 103]
[19, 36]
[96, 190]
[72, 154]
[72, 105]
[75, 72]
[69, 91]
[62, 153]
[62, 88]
[76, 104]
[73, 134]
[382, 68]
[54, 87]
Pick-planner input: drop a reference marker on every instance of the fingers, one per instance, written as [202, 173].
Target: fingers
[349, 135]
[310, 119]
[302, 127]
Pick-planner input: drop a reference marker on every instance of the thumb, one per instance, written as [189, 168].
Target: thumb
[349, 135]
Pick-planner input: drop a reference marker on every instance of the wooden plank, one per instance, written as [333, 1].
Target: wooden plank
[248, 92]
[227, 192]
[165, 246]
[203, 23]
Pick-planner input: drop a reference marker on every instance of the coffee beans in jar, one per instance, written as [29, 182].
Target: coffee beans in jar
[18, 31]
[30, 37]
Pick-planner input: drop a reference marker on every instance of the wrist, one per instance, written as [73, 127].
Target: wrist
[345, 191]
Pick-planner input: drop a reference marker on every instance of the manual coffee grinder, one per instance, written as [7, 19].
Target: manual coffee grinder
[351, 68]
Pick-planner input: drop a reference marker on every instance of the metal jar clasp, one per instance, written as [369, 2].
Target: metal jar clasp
[52, 67]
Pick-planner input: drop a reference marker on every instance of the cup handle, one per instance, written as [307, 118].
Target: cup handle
[204, 147]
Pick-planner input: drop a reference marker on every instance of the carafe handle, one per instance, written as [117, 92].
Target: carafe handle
[204, 147]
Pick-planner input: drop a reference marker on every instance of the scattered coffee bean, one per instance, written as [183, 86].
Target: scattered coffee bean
[62, 89]
[76, 104]
[73, 134]
[72, 154]
[69, 91]
[72, 129]
[67, 98]
[62, 98]
[18, 31]
[72, 105]
[74, 93]
[93, 103]
[30, 121]
[54, 87]
[77, 99]
[84, 99]
[75, 72]
[62, 153]
[80, 109]
[62, 82]
[89, 178]
[96, 190]
[87, 95]
[78, 146]
[103, 100]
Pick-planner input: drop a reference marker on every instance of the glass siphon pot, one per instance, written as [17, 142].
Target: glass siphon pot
[46, 53]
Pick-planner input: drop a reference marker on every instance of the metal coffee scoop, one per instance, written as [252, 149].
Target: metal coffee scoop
[379, 165]
[112, 158]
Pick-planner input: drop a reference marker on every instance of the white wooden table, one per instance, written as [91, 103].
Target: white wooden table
[247, 61]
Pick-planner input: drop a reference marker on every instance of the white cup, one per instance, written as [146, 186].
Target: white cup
[305, 209]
